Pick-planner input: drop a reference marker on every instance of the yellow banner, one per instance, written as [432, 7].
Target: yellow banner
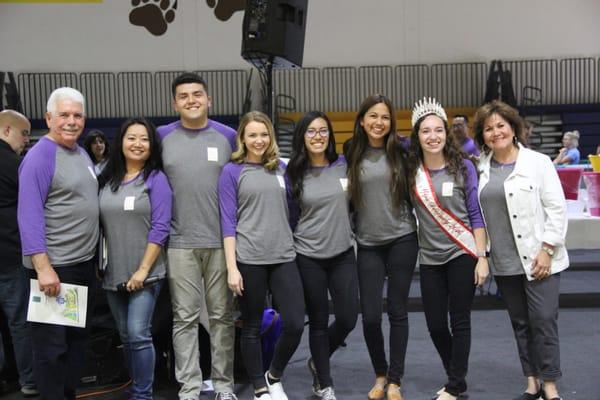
[50, 1]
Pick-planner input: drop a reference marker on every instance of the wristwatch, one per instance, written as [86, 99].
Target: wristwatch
[548, 250]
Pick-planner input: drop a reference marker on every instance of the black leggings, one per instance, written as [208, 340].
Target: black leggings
[338, 275]
[450, 287]
[283, 280]
[397, 261]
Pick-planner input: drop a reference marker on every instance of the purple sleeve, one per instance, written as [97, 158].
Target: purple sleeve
[471, 196]
[161, 199]
[226, 131]
[470, 148]
[228, 182]
[164, 130]
[35, 177]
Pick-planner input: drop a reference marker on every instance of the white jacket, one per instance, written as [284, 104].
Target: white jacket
[536, 206]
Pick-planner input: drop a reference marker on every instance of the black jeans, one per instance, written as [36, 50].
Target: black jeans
[339, 276]
[58, 351]
[449, 288]
[283, 280]
[397, 261]
[533, 310]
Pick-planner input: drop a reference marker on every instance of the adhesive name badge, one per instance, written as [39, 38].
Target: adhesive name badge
[281, 181]
[91, 169]
[344, 183]
[447, 188]
[129, 203]
[212, 153]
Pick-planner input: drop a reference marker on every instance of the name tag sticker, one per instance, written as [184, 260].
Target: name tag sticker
[447, 188]
[281, 181]
[344, 183]
[92, 172]
[129, 203]
[212, 153]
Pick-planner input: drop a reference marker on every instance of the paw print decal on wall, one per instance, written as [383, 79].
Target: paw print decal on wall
[224, 9]
[154, 15]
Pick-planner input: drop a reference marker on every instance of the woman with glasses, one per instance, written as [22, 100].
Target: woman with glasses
[259, 249]
[324, 242]
[386, 235]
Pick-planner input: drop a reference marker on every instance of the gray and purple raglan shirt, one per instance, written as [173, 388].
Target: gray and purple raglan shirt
[254, 209]
[58, 204]
[193, 160]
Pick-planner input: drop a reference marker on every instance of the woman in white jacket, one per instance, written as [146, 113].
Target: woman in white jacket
[525, 214]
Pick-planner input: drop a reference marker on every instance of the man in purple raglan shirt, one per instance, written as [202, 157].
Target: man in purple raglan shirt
[58, 222]
[195, 149]
[460, 130]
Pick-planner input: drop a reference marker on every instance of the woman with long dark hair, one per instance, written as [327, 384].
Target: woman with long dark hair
[324, 242]
[259, 249]
[135, 211]
[386, 237]
[452, 239]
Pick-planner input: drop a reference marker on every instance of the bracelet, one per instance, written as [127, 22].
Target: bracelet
[483, 254]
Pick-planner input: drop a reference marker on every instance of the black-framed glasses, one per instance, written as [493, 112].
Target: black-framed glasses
[311, 133]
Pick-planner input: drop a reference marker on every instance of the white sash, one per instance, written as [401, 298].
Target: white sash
[451, 225]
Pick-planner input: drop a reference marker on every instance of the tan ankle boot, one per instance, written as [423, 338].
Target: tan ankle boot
[393, 392]
[377, 392]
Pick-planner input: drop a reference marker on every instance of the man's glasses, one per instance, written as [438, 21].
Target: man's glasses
[311, 133]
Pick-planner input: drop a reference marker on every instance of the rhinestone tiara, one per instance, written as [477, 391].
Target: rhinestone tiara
[425, 107]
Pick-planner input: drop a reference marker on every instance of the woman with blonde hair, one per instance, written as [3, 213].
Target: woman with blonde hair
[259, 249]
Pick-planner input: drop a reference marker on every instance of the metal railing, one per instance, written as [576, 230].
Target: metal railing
[116, 95]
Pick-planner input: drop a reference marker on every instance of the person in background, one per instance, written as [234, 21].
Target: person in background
[525, 212]
[460, 130]
[58, 223]
[386, 235]
[14, 136]
[452, 239]
[569, 153]
[96, 145]
[324, 242]
[135, 212]
[259, 249]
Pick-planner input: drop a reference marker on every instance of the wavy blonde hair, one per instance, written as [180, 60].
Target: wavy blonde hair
[270, 158]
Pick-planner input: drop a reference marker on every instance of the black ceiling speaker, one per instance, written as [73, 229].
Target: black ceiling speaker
[273, 30]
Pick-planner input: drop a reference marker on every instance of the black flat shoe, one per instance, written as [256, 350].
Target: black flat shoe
[528, 396]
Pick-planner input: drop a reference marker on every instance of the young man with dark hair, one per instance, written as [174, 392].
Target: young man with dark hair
[195, 148]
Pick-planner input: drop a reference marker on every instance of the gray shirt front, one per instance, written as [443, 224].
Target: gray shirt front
[435, 246]
[193, 160]
[136, 214]
[58, 204]
[504, 258]
[378, 222]
[323, 229]
[254, 209]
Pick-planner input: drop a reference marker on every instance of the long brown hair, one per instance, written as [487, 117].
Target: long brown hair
[453, 154]
[395, 154]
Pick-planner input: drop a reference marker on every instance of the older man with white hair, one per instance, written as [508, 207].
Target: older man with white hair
[58, 223]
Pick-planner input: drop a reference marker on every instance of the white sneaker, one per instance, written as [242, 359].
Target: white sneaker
[275, 390]
[326, 393]
[265, 396]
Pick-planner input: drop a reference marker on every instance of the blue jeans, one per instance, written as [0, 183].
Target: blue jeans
[133, 315]
[13, 300]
